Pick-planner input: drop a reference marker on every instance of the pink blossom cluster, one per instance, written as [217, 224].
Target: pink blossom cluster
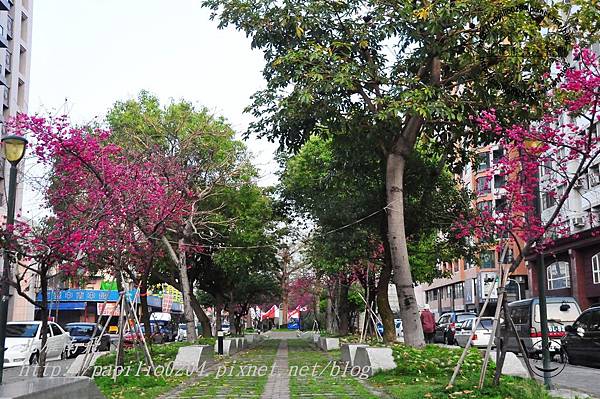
[110, 206]
[543, 160]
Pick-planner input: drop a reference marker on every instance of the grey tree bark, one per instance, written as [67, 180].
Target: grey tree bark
[188, 311]
[402, 277]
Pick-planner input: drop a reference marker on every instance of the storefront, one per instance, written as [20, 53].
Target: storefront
[75, 305]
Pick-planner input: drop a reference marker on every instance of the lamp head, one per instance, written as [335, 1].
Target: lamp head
[13, 147]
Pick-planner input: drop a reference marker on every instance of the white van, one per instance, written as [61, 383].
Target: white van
[525, 314]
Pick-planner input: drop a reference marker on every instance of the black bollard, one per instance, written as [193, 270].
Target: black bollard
[220, 342]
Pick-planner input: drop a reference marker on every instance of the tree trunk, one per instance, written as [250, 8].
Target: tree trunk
[329, 314]
[204, 320]
[187, 295]
[144, 304]
[284, 287]
[44, 332]
[180, 261]
[409, 310]
[383, 302]
[343, 308]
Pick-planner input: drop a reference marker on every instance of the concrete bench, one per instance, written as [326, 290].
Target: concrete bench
[512, 365]
[229, 346]
[349, 351]
[251, 339]
[52, 388]
[78, 362]
[372, 360]
[329, 344]
[241, 343]
[191, 357]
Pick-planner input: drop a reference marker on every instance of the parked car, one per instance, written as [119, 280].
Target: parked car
[581, 343]
[446, 326]
[481, 336]
[81, 334]
[24, 342]
[525, 315]
[132, 336]
[398, 327]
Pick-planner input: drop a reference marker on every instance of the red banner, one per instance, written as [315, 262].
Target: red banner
[270, 314]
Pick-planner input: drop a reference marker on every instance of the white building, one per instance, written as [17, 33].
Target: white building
[15, 57]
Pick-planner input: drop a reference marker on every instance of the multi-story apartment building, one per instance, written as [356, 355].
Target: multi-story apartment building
[469, 284]
[572, 261]
[15, 46]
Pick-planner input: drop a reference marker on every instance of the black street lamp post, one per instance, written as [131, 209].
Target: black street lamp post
[14, 149]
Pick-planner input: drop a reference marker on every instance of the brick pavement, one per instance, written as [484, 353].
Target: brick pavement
[278, 384]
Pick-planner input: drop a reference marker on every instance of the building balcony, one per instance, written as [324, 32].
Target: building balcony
[4, 5]
[8, 61]
[6, 97]
[3, 41]
[2, 77]
[9, 27]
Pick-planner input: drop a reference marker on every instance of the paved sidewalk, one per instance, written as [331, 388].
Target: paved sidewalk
[233, 377]
[278, 384]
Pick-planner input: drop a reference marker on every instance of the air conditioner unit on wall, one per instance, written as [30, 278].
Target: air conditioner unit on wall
[594, 179]
[578, 222]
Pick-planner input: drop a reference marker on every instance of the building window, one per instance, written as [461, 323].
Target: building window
[508, 256]
[483, 185]
[432, 295]
[459, 291]
[483, 161]
[488, 260]
[484, 206]
[548, 200]
[558, 276]
[499, 181]
[596, 268]
[546, 168]
[498, 154]
[501, 204]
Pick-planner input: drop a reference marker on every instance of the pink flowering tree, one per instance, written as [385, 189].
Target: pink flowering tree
[547, 167]
[111, 208]
[556, 155]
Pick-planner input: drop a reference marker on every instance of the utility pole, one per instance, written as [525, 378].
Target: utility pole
[541, 276]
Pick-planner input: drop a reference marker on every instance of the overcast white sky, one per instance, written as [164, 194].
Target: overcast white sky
[92, 53]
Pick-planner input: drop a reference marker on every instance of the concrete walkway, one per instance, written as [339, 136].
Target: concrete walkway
[278, 384]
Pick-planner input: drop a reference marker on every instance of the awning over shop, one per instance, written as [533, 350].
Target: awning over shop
[73, 295]
[69, 298]
[66, 306]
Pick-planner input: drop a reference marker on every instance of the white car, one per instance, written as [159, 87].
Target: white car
[482, 335]
[23, 343]
[182, 332]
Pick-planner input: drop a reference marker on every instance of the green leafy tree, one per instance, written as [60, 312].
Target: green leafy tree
[206, 146]
[337, 186]
[390, 73]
